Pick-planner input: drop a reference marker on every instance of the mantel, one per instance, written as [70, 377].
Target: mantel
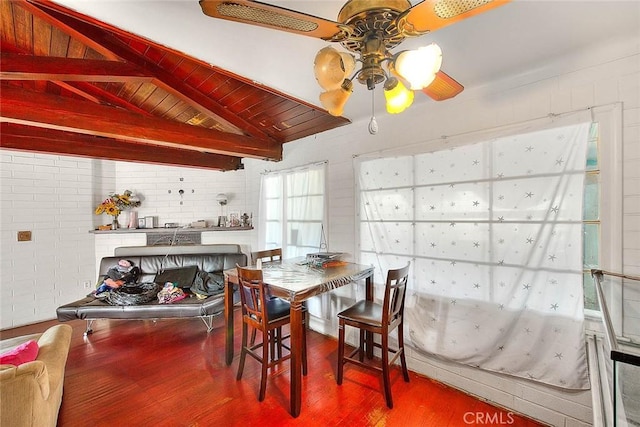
[169, 230]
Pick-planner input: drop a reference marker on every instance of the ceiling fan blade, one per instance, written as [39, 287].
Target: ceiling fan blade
[443, 87]
[431, 15]
[274, 17]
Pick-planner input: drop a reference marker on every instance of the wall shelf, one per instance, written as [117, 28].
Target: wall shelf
[163, 230]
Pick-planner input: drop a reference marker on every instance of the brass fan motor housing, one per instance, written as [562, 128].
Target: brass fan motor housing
[369, 17]
[355, 7]
[373, 32]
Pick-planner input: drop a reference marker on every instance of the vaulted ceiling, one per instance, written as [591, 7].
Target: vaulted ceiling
[73, 85]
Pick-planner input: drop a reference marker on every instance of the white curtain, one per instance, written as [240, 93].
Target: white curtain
[494, 233]
[292, 209]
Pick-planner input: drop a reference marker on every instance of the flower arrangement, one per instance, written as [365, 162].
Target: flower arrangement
[116, 203]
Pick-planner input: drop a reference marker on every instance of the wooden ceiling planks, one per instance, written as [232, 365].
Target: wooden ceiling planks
[238, 118]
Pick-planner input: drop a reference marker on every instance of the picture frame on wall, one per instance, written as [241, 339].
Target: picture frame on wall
[234, 219]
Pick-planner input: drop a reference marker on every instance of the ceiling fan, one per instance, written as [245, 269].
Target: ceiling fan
[369, 29]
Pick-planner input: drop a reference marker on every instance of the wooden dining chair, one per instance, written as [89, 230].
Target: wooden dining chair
[270, 255]
[381, 319]
[267, 315]
[267, 255]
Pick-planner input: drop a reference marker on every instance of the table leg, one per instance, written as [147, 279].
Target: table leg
[296, 358]
[368, 339]
[228, 318]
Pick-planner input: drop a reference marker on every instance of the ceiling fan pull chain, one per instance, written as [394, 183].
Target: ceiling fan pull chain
[373, 124]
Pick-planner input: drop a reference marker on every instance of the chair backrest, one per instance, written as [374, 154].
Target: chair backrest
[252, 296]
[267, 255]
[394, 295]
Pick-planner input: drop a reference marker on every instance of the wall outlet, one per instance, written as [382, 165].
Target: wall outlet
[24, 236]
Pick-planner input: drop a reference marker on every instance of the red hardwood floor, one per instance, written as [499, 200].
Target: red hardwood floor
[172, 373]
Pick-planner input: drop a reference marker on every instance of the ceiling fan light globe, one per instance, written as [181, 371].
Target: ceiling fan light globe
[398, 97]
[335, 100]
[348, 63]
[419, 67]
[331, 67]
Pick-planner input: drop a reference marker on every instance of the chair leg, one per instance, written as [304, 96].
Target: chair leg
[265, 366]
[271, 341]
[275, 343]
[340, 352]
[243, 351]
[362, 347]
[403, 361]
[385, 370]
[279, 342]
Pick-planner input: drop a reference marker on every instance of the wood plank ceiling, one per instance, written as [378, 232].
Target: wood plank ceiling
[73, 85]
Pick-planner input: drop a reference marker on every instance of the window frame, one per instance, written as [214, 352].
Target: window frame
[609, 119]
[290, 250]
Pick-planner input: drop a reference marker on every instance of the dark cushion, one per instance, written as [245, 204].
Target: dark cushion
[181, 277]
[150, 265]
[277, 308]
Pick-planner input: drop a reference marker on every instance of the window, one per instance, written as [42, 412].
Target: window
[602, 219]
[591, 219]
[293, 210]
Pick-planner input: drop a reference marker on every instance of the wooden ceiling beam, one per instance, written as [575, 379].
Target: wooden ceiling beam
[27, 67]
[80, 85]
[108, 97]
[73, 89]
[26, 107]
[90, 91]
[20, 137]
[86, 26]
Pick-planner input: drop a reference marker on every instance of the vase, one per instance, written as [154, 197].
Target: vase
[115, 224]
[125, 219]
[133, 219]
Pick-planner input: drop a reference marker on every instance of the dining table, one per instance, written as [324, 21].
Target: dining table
[296, 280]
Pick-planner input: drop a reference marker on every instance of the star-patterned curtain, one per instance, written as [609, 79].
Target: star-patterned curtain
[494, 233]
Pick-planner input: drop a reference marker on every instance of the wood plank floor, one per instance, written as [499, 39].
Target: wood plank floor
[172, 373]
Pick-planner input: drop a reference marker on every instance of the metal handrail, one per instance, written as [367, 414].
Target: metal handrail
[607, 400]
[617, 353]
[609, 273]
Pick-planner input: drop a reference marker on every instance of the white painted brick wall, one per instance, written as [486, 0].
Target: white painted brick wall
[200, 189]
[159, 188]
[49, 196]
[106, 243]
